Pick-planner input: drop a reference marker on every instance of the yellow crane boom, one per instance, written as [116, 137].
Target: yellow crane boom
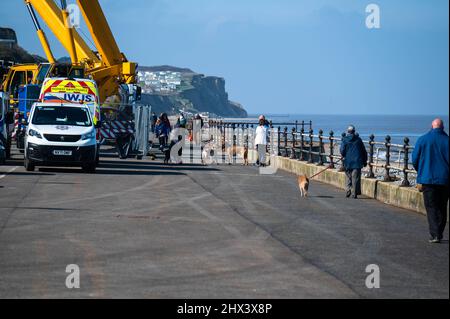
[53, 17]
[101, 32]
[110, 68]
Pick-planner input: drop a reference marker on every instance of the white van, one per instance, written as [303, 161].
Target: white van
[61, 132]
[61, 135]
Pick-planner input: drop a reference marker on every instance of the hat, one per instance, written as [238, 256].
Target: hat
[351, 129]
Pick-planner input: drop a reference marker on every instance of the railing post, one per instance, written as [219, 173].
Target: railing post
[405, 181]
[371, 174]
[223, 143]
[285, 137]
[387, 176]
[233, 127]
[310, 156]
[279, 138]
[246, 137]
[342, 168]
[252, 137]
[320, 148]
[211, 130]
[302, 141]
[331, 149]
[294, 144]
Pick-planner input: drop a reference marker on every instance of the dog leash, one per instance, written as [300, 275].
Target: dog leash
[328, 167]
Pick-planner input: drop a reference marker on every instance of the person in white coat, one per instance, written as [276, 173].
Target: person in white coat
[261, 141]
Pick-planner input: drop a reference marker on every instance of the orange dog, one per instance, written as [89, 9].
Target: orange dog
[303, 185]
[242, 151]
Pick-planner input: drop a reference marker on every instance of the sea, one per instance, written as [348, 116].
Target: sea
[396, 126]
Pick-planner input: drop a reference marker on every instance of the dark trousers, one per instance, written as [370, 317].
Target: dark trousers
[353, 179]
[435, 198]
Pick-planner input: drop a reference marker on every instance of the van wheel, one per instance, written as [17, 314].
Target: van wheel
[29, 166]
[89, 168]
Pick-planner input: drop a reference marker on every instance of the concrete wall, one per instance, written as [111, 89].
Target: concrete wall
[389, 193]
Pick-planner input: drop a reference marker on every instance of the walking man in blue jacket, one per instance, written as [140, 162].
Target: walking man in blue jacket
[354, 155]
[430, 159]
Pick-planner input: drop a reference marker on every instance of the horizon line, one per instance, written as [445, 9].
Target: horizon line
[340, 114]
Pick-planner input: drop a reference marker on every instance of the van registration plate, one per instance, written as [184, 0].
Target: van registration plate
[64, 153]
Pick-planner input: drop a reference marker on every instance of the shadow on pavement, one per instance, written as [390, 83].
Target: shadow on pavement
[13, 162]
[321, 196]
[26, 174]
[153, 166]
[102, 171]
[127, 172]
[45, 208]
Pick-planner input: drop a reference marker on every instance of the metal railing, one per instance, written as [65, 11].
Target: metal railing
[386, 160]
[242, 133]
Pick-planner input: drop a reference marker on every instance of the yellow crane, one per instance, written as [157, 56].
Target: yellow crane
[108, 66]
[114, 74]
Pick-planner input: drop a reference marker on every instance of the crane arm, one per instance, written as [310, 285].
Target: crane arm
[101, 32]
[53, 17]
[41, 35]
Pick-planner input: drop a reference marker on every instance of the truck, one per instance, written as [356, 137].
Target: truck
[63, 127]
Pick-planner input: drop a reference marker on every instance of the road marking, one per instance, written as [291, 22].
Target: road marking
[9, 171]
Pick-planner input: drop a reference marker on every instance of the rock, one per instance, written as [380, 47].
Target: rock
[197, 93]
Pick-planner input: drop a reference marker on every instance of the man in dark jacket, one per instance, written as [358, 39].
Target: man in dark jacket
[430, 159]
[355, 158]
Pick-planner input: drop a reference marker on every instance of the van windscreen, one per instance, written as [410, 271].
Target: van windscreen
[61, 115]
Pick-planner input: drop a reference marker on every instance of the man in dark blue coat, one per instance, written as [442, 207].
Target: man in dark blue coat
[430, 159]
[354, 154]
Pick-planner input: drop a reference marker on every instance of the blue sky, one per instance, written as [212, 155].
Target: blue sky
[288, 56]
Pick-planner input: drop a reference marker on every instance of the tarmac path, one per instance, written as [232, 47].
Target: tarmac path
[141, 229]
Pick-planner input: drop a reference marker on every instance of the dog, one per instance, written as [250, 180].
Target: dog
[303, 185]
[242, 151]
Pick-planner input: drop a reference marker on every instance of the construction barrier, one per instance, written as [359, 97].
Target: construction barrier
[109, 130]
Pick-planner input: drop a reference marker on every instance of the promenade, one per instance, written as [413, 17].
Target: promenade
[147, 230]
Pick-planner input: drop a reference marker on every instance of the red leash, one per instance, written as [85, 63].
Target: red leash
[320, 172]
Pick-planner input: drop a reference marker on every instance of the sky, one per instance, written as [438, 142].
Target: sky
[287, 56]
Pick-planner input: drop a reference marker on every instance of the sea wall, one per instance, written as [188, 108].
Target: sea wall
[389, 193]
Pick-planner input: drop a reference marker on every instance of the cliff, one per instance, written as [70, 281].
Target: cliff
[197, 93]
[10, 51]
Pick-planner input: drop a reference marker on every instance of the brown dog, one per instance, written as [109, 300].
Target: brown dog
[303, 185]
[242, 151]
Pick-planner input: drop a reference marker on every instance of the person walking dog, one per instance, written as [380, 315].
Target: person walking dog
[354, 156]
[430, 159]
